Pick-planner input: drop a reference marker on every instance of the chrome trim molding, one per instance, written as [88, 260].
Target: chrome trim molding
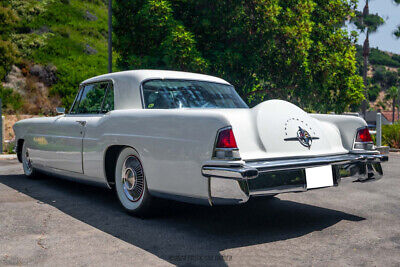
[228, 191]
[239, 173]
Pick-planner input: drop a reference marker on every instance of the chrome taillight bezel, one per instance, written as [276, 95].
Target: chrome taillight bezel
[362, 145]
[224, 153]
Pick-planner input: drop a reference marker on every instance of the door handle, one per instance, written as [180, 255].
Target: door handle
[83, 123]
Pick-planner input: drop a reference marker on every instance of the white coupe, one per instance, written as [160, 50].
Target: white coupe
[190, 137]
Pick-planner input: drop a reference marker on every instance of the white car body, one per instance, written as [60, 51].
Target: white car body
[176, 146]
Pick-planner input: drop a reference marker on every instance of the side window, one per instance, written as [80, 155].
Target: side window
[92, 98]
[109, 99]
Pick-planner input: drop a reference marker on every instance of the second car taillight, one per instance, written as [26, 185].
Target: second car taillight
[225, 145]
[363, 140]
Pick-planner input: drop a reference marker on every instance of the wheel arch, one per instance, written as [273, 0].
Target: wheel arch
[110, 161]
[20, 143]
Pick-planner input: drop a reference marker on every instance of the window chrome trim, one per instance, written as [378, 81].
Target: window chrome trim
[82, 86]
[76, 99]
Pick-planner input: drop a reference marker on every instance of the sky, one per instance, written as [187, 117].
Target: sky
[383, 38]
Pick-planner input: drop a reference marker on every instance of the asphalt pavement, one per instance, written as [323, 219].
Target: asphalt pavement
[53, 222]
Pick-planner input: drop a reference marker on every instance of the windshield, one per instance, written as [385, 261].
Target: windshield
[171, 94]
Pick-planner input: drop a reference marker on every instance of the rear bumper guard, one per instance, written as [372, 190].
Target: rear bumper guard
[229, 184]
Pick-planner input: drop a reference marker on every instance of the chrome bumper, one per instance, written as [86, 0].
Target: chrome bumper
[230, 184]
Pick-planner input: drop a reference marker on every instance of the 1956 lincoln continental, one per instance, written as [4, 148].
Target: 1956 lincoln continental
[186, 136]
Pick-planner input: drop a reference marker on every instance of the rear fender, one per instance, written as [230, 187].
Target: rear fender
[346, 124]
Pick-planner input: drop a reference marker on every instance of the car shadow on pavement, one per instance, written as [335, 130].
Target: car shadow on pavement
[182, 233]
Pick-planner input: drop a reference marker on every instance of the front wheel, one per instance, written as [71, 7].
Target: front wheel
[130, 183]
[29, 171]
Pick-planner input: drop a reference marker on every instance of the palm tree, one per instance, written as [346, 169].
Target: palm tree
[393, 94]
[368, 23]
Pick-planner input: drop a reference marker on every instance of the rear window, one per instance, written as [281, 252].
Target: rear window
[175, 94]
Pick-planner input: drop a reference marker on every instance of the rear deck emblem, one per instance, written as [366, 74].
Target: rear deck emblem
[303, 137]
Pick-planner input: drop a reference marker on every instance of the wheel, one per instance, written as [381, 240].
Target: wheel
[130, 183]
[29, 171]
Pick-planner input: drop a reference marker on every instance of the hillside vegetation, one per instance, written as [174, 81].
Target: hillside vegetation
[383, 74]
[48, 47]
[51, 47]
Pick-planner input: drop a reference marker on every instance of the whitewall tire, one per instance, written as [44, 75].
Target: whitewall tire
[29, 170]
[130, 183]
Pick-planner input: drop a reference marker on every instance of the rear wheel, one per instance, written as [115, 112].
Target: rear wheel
[29, 171]
[130, 183]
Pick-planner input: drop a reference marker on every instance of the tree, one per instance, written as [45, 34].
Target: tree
[368, 23]
[385, 78]
[292, 50]
[393, 94]
[8, 20]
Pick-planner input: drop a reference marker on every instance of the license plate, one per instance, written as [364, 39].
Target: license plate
[318, 177]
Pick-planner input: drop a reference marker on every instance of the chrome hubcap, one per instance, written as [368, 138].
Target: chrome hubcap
[129, 179]
[132, 178]
[27, 161]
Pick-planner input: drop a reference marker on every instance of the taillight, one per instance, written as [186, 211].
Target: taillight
[363, 136]
[363, 140]
[226, 139]
[225, 145]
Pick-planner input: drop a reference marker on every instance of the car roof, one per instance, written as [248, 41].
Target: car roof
[142, 75]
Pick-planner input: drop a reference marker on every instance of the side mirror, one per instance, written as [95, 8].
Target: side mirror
[60, 110]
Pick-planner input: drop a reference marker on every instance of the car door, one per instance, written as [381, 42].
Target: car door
[69, 130]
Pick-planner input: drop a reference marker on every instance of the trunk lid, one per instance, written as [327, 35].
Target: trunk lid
[276, 129]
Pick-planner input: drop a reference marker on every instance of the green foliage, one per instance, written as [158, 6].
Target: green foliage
[370, 22]
[373, 92]
[8, 20]
[292, 50]
[57, 32]
[378, 57]
[391, 135]
[10, 100]
[7, 57]
[384, 77]
[396, 57]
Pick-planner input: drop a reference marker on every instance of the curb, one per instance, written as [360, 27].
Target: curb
[7, 156]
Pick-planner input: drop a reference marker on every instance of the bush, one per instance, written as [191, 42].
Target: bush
[373, 92]
[10, 100]
[396, 58]
[391, 135]
[7, 57]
